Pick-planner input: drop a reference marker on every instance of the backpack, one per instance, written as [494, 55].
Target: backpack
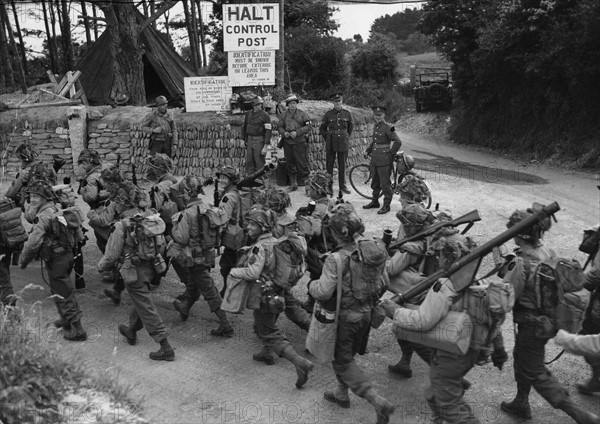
[41, 171]
[210, 223]
[161, 199]
[289, 252]
[445, 248]
[560, 293]
[367, 265]
[66, 227]
[145, 231]
[12, 232]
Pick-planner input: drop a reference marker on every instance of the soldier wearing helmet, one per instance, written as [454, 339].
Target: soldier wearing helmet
[382, 160]
[191, 260]
[294, 126]
[533, 334]
[278, 201]
[160, 172]
[122, 248]
[230, 203]
[160, 124]
[58, 259]
[354, 318]
[258, 263]
[256, 133]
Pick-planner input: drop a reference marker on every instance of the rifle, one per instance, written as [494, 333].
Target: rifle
[469, 219]
[250, 181]
[216, 198]
[78, 261]
[462, 272]
[590, 244]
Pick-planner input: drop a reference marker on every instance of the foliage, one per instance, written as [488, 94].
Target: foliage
[375, 60]
[401, 24]
[416, 43]
[366, 93]
[523, 69]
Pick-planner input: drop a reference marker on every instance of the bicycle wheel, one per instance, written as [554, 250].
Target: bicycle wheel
[414, 188]
[360, 180]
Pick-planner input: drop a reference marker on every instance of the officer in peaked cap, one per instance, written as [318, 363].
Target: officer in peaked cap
[382, 159]
[336, 128]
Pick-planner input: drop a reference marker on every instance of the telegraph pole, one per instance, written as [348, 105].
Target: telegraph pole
[280, 54]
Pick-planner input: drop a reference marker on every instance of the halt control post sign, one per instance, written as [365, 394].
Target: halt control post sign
[251, 68]
[206, 94]
[250, 27]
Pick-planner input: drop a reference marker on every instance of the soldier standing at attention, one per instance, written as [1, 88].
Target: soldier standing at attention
[256, 132]
[161, 126]
[382, 149]
[336, 128]
[294, 125]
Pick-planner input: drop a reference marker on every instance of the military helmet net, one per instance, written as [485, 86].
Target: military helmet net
[111, 174]
[26, 153]
[230, 172]
[261, 217]
[537, 230]
[190, 187]
[321, 182]
[42, 188]
[129, 194]
[415, 215]
[161, 162]
[90, 156]
[344, 222]
[275, 199]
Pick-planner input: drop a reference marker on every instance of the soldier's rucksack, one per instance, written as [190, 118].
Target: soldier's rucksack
[12, 232]
[560, 293]
[367, 265]
[162, 200]
[66, 227]
[289, 252]
[145, 232]
[210, 223]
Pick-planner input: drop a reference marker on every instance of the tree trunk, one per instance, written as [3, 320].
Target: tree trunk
[195, 37]
[86, 24]
[95, 21]
[279, 56]
[51, 49]
[7, 69]
[53, 38]
[152, 10]
[66, 36]
[202, 39]
[193, 45]
[18, 27]
[167, 24]
[13, 45]
[126, 49]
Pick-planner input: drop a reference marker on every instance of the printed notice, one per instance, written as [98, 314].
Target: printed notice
[251, 68]
[250, 27]
[207, 94]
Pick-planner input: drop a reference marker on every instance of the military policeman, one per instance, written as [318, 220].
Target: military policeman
[193, 263]
[256, 133]
[294, 126]
[336, 128]
[382, 149]
[160, 124]
[533, 329]
[354, 317]
[121, 248]
[57, 257]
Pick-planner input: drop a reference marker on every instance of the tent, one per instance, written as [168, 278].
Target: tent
[164, 69]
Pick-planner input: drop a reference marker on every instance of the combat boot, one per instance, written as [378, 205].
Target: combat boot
[402, 368]
[115, 295]
[128, 333]
[62, 323]
[579, 415]
[293, 185]
[183, 307]
[108, 276]
[225, 329]
[75, 333]
[519, 407]
[265, 355]
[593, 385]
[165, 353]
[373, 205]
[303, 365]
[383, 407]
[384, 209]
[339, 395]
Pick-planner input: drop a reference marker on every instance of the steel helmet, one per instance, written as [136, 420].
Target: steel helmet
[262, 217]
[415, 215]
[230, 172]
[190, 187]
[275, 199]
[257, 101]
[161, 162]
[42, 188]
[128, 194]
[111, 174]
[345, 223]
[90, 156]
[26, 153]
[535, 232]
[321, 182]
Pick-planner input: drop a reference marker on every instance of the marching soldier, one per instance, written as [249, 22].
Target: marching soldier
[57, 258]
[382, 160]
[354, 317]
[336, 128]
[193, 263]
[121, 248]
[256, 132]
[258, 264]
[160, 173]
[532, 334]
[161, 126]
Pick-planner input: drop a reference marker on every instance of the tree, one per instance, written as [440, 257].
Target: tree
[358, 38]
[401, 24]
[376, 60]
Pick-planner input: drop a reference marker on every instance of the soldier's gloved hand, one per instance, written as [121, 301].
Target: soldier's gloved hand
[499, 357]
[389, 307]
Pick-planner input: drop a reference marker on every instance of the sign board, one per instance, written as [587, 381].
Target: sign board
[251, 68]
[206, 94]
[250, 27]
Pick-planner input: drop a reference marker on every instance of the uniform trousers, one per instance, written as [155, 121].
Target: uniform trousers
[59, 269]
[381, 182]
[341, 163]
[255, 160]
[198, 282]
[160, 147]
[6, 288]
[296, 161]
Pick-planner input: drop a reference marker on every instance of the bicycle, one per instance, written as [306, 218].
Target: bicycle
[405, 182]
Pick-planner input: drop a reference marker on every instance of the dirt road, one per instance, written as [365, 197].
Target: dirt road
[216, 381]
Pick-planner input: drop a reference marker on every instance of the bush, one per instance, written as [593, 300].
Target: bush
[365, 93]
[376, 60]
